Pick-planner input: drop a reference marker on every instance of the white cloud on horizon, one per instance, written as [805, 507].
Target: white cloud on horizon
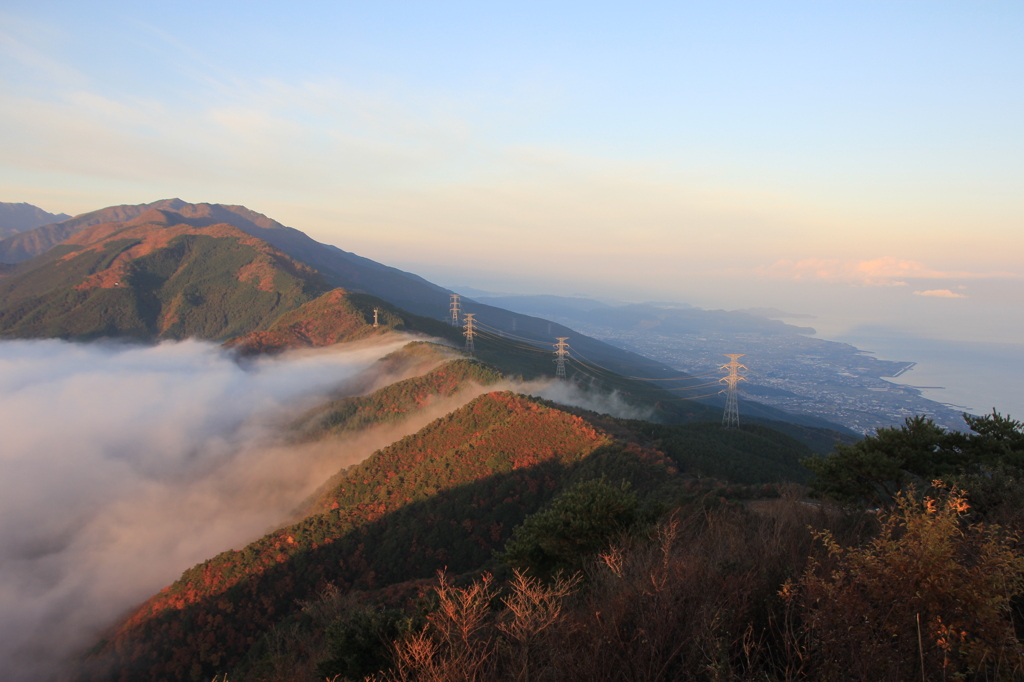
[884, 271]
[940, 293]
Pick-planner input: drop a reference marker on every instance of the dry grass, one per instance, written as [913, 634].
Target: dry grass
[698, 601]
[792, 592]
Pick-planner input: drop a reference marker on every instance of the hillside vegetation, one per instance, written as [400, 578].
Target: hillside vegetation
[599, 584]
[393, 402]
[447, 497]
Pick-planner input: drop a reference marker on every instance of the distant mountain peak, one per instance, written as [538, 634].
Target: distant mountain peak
[21, 216]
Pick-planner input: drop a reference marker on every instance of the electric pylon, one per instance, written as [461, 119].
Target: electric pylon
[375, 317]
[455, 310]
[561, 351]
[731, 416]
[468, 333]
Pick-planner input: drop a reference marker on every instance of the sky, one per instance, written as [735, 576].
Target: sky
[861, 162]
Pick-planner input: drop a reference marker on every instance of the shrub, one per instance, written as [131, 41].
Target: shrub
[359, 644]
[579, 523]
[928, 597]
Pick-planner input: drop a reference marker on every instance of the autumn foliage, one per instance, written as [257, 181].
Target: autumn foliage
[706, 598]
[334, 317]
[928, 597]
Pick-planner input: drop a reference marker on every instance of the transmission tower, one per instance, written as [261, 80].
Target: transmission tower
[561, 352]
[731, 416]
[468, 333]
[455, 310]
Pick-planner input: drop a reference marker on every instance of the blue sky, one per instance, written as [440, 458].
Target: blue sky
[860, 161]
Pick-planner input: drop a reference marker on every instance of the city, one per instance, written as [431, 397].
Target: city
[796, 373]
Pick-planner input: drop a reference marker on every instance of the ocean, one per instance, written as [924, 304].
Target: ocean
[969, 376]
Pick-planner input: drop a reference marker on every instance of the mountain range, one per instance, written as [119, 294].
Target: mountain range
[170, 269]
[447, 497]
[510, 524]
[500, 498]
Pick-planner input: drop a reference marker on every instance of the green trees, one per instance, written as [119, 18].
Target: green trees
[877, 468]
[579, 523]
[358, 644]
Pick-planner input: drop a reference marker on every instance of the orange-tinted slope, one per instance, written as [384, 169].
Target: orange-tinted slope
[447, 496]
[156, 275]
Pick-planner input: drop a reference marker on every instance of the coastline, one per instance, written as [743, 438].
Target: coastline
[973, 377]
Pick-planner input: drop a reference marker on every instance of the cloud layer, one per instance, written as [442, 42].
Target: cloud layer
[123, 466]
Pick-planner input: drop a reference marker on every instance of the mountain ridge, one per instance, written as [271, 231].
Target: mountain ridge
[446, 497]
[151, 277]
[19, 217]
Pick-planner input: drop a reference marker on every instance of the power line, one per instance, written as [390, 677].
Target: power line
[482, 332]
[690, 398]
[580, 365]
[626, 376]
[504, 334]
[474, 327]
[578, 369]
[500, 333]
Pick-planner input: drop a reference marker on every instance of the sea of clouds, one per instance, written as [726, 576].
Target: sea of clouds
[121, 466]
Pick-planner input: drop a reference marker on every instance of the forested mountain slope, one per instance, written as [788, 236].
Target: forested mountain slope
[162, 274]
[448, 496]
[445, 496]
[153, 277]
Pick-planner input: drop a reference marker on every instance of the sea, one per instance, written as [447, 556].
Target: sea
[973, 377]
